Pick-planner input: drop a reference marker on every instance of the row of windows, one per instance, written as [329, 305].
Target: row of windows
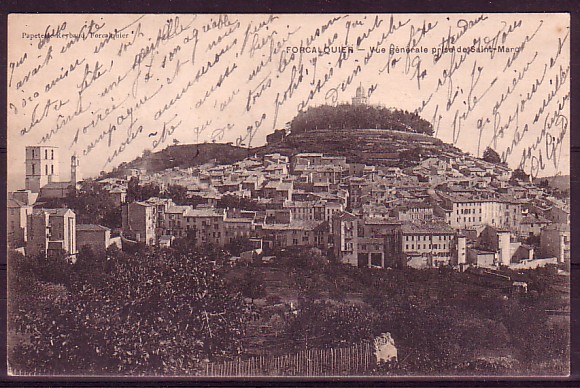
[45, 169]
[426, 238]
[426, 246]
[471, 219]
[467, 211]
[33, 154]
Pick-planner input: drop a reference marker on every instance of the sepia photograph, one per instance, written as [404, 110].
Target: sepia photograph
[288, 195]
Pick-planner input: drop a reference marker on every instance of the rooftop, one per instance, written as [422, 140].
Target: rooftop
[91, 228]
[177, 209]
[427, 228]
[57, 212]
[294, 225]
[203, 212]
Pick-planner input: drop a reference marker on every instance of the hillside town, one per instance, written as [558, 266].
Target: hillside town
[451, 210]
[400, 255]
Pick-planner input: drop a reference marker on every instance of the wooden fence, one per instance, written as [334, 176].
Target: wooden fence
[353, 360]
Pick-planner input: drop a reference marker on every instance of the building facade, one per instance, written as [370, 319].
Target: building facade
[51, 231]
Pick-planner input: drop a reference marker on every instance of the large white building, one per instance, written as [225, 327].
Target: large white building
[466, 211]
[50, 231]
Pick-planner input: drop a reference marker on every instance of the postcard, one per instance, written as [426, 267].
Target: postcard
[234, 195]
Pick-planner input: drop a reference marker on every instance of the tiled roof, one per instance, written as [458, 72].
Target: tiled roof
[294, 225]
[427, 228]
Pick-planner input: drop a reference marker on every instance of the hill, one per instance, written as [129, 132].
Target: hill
[559, 182]
[379, 147]
[362, 133]
[371, 146]
[186, 155]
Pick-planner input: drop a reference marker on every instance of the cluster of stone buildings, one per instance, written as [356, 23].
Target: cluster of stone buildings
[36, 230]
[450, 210]
[453, 210]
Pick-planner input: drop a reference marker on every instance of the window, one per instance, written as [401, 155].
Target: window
[51, 169]
[46, 169]
[33, 172]
[52, 154]
[45, 154]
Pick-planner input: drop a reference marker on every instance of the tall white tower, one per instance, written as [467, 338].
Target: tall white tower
[75, 171]
[42, 167]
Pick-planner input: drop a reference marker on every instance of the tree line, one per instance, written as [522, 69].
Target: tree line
[346, 116]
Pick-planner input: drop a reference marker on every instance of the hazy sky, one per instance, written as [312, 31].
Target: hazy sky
[107, 87]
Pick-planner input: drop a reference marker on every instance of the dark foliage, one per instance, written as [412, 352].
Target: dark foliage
[252, 286]
[359, 116]
[320, 324]
[138, 192]
[239, 245]
[519, 175]
[91, 205]
[155, 312]
[491, 156]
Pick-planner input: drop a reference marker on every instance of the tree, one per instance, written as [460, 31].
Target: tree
[544, 184]
[491, 156]
[138, 192]
[133, 190]
[158, 312]
[322, 324]
[252, 286]
[93, 205]
[363, 116]
[177, 193]
[150, 190]
[519, 175]
[412, 156]
[239, 245]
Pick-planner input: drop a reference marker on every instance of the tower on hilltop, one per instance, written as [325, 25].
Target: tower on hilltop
[360, 98]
